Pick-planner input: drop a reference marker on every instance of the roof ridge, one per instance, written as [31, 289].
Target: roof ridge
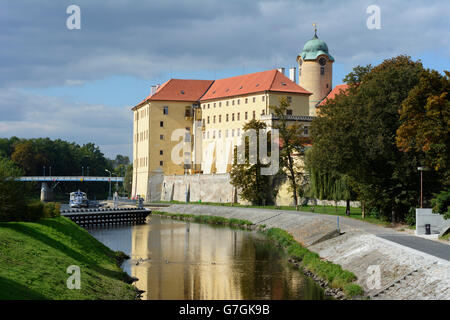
[274, 77]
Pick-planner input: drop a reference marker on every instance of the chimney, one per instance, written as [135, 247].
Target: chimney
[292, 74]
[282, 70]
[153, 89]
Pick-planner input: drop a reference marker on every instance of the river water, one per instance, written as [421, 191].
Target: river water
[182, 261]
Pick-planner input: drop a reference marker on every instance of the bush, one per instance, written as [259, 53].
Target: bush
[51, 210]
[352, 289]
[410, 217]
[34, 211]
[441, 204]
[12, 195]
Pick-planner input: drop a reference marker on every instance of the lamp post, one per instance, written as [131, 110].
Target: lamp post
[50, 171]
[44, 170]
[82, 171]
[87, 171]
[421, 169]
[109, 196]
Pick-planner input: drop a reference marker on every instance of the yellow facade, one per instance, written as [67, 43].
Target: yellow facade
[152, 146]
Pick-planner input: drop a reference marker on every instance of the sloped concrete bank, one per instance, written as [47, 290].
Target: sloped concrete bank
[385, 270]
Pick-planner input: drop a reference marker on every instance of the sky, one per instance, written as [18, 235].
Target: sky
[80, 84]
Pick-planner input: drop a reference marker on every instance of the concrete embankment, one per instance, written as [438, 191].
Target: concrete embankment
[385, 269]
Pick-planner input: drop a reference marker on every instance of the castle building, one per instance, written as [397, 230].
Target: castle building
[190, 127]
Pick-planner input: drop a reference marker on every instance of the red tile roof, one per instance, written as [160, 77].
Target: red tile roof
[271, 80]
[336, 90]
[179, 90]
[201, 90]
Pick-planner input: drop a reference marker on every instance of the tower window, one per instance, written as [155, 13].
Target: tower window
[322, 71]
[166, 110]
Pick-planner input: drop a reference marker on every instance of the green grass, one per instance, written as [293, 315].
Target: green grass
[237, 223]
[35, 256]
[446, 237]
[355, 212]
[332, 273]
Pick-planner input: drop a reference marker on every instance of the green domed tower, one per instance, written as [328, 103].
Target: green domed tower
[315, 70]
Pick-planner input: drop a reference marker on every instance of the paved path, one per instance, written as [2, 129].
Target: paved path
[434, 248]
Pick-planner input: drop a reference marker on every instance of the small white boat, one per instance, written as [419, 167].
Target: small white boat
[78, 199]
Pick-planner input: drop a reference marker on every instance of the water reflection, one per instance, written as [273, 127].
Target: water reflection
[181, 260]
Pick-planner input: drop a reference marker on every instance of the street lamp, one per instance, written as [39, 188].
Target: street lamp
[421, 169]
[109, 197]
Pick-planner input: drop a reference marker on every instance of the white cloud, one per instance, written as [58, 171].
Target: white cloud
[29, 115]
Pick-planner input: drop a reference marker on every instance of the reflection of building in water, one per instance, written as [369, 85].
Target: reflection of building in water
[182, 264]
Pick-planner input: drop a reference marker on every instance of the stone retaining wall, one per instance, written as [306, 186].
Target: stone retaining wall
[404, 273]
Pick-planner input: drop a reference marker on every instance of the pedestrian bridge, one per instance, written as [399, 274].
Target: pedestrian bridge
[70, 178]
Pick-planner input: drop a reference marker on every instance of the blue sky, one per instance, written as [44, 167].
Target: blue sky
[79, 85]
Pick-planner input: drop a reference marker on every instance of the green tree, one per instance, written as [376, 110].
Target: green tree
[354, 135]
[13, 198]
[246, 173]
[425, 116]
[292, 146]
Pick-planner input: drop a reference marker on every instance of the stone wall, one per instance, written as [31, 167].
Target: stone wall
[198, 188]
[426, 216]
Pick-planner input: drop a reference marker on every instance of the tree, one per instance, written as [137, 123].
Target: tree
[292, 146]
[327, 185]
[128, 179]
[354, 135]
[13, 201]
[425, 116]
[246, 176]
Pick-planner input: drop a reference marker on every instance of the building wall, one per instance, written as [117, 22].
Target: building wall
[311, 79]
[219, 136]
[150, 139]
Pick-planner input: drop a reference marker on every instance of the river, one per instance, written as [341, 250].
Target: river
[177, 260]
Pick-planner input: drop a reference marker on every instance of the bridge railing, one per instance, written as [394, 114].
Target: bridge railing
[70, 178]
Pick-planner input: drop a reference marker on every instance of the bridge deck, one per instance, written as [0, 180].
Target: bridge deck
[70, 178]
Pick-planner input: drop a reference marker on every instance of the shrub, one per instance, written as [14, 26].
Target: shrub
[352, 289]
[441, 203]
[34, 211]
[51, 210]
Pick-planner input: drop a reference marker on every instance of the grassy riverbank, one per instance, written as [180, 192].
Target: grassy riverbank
[355, 212]
[332, 273]
[34, 257]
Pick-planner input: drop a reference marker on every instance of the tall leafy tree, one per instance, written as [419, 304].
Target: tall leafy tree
[247, 176]
[292, 146]
[425, 116]
[354, 135]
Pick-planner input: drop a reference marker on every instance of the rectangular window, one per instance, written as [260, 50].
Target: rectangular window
[220, 104]
[289, 99]
[208, 105]
[246, 100]
[263, 98]
[220, 118]
[161, 137]
[208, 120]
[322, 71]
[305, 131]
[232, 117]
[239, 101]
[227, 117]
[238, 132]
[238, 116]
[246, 115]
[220, 134]
[289, 112]
[214, 119]
[232, 102]
[203, 120]
[165, 110]
[226, 133]
[214, 134]
[227, 103]
[161, 152]
[161, 124]
[254, 114]
[214, 104]
[262, 112]
[187, 111]
[254, 99]
[207, 134]
[161, 163]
